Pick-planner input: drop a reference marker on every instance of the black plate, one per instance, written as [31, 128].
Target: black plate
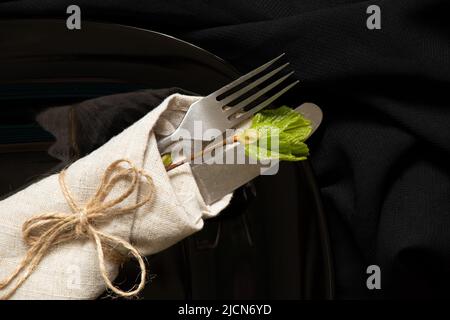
[270, 243]
[45, 51]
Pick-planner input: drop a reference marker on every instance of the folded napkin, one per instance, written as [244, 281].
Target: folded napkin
[72, 268]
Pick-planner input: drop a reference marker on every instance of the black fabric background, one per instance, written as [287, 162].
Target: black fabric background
[383, 154]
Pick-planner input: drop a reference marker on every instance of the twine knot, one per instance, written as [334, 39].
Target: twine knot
[46, 230]
[81, 228]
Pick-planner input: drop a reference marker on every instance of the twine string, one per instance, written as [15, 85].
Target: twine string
[44, 231]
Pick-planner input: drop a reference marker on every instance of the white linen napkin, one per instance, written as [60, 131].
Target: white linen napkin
[70, 270]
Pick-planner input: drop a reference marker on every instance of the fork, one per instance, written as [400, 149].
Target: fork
[215, 180]
[213, 110]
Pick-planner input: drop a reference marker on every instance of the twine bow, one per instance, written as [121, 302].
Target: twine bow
[47, 230]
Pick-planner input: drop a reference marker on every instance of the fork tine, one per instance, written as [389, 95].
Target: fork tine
[244, 78]
[256, 95]
[252, 85]
[262, 105]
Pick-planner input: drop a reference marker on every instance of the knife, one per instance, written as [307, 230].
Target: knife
[217, 180]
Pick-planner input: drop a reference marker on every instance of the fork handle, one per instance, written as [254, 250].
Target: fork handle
[164, 143]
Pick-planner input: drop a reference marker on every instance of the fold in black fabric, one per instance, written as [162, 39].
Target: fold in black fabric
[84, 127]
[383, 154]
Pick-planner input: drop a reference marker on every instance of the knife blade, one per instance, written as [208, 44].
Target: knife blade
[217, 180]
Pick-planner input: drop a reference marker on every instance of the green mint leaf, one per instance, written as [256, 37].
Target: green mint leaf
[284, 125]
[166, 159]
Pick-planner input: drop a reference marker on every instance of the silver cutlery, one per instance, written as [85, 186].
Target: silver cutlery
[217, 180]
[214, 111]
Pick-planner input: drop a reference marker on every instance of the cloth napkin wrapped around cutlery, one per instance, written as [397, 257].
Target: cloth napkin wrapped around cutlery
[65, 236]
